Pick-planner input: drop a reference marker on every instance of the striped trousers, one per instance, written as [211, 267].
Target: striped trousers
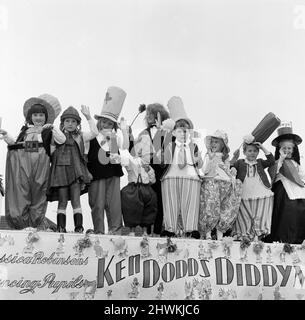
[181, 196]
[254, 217]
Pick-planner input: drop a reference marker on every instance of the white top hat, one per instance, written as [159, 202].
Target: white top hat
[50, 102]
[176, 110]
[113, 104]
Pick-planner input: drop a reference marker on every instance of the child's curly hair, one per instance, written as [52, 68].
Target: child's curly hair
[154, 108]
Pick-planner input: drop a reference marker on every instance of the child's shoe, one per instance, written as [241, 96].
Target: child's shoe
[125, 231]
[138, 231]
[61, 223]
[78, 222]
[195, 234]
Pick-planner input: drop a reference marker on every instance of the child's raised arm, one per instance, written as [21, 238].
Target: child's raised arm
[87, 136]
[125, 132]
[270, 158]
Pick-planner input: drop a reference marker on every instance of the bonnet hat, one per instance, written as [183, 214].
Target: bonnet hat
[219, 134]
[176, 110]
[71, 112]
[113, 104]
[50, 102]
[285, 132]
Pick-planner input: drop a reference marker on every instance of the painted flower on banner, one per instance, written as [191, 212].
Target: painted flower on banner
[31, 238]
[269, 255]
[227, 243]
[82, 244]
[160, 290]
[134, 289]
[144, 245]
[98, 249]
[89, 289]
[258, 247]
[120, 246]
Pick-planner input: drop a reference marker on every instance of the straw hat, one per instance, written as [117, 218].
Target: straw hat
[50, 102]
[71, 112]
[113, 104]
[176, 110]
[285, 132]
[219, 134]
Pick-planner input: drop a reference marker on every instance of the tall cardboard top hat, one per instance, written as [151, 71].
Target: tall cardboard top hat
[285, 132]
[266, 127]
[176, 110]
[113, 104]
[71, 112]
[50, 102]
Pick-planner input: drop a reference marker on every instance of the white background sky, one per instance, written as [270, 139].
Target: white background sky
[230, 61]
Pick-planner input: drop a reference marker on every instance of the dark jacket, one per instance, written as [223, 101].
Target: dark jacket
[241, 167]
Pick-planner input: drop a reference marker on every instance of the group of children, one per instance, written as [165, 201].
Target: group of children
[172, 189]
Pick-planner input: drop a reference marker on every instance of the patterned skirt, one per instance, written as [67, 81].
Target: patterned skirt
[219, 204]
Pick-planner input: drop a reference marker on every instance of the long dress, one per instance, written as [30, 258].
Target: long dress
[288, 217]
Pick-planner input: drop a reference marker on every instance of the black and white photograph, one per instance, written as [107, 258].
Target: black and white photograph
[152, 151]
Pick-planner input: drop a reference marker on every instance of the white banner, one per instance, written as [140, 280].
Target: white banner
[71, 266]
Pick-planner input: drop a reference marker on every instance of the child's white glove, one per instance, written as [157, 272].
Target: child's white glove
[168, 125]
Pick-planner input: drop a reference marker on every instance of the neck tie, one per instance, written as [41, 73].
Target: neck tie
[182, 157]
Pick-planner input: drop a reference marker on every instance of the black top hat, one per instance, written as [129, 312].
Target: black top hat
[285, 132]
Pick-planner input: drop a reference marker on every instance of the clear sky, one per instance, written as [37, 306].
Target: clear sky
[230, 61]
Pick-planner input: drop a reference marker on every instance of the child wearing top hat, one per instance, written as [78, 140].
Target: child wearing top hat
[287, 177]
[69, 176]
[181, 180]
[28, 163]
[104, 191]
[220, 193]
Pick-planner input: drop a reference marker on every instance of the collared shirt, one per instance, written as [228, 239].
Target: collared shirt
[134, 168]
[188, 170]
[251, 167]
